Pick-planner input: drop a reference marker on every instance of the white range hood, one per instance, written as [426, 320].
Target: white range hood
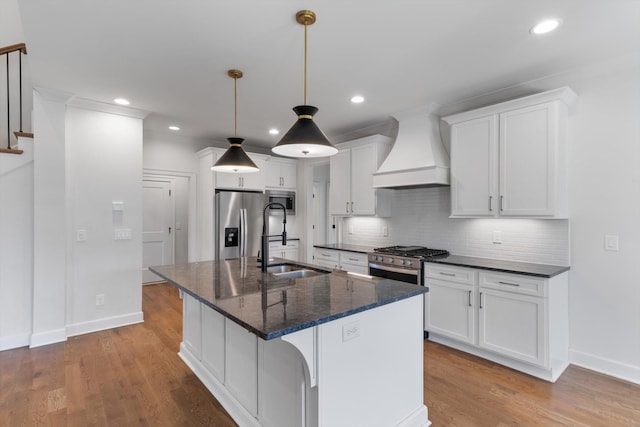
[417, 158]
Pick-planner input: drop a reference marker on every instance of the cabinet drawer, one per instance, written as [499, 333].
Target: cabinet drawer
[515, 283]
[291, 245]
[353, 258]
[327, 255]
[452, 274]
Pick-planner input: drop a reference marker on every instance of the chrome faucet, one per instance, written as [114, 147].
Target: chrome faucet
[264, 261]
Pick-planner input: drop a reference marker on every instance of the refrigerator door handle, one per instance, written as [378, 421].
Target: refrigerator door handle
[243, 232]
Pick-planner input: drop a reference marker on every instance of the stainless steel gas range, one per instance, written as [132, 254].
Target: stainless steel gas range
[402, 263]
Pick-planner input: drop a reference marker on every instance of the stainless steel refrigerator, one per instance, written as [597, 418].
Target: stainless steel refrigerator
[238, 223]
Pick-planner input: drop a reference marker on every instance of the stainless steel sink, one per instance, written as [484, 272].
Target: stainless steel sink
[291, 271]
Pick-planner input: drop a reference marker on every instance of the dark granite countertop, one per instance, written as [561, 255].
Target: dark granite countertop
[346, 247]
[525, 268]
[271, 307]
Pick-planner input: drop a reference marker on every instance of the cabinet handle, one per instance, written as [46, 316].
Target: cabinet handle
[469, 298]
[510, 284]
[480, 299]
[501, 207]
[325, 255]
[351, 207]
[490, 203]
[281, 181]
[347, 207]
[353, 259]
[448, 274]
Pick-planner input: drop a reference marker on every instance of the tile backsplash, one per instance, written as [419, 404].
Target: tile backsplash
[420, 216]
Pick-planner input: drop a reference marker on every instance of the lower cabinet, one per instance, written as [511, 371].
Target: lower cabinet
[288, 251]
[517, 320]
[354, 262]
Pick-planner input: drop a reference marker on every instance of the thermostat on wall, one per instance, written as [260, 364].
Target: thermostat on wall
[117, 206]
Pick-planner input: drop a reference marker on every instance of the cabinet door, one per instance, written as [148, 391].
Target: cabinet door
[513, 325]
[449, 310]
[340, 178]
[191, 325]
[243, 181]
[527, 160]
[241, 367]
[474, 167]
[213, 341]
[363, 165]
[273, 177]
[228, 180]
[289, 174]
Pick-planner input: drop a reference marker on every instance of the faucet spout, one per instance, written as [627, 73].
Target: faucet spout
[264, 261]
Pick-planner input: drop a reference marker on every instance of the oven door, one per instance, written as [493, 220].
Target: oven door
[407, 275]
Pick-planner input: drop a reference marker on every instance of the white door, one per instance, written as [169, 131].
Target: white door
[157, 227]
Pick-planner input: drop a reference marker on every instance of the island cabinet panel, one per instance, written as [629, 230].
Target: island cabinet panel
[241, 371]
[192, 325]
[358, 353]
[281, 385]
[213, 344]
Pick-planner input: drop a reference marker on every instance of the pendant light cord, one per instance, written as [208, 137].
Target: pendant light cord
[235, 106]
[305, 64]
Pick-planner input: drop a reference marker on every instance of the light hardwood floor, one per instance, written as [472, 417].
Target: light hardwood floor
[132, 376]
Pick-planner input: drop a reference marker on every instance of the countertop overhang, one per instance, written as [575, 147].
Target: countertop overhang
[269, 306]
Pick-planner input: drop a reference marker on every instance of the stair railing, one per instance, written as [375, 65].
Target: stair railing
[21, 49]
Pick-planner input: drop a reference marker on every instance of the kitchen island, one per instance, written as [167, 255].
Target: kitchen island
[332, 349]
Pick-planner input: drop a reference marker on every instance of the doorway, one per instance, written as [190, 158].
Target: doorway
[158, 225]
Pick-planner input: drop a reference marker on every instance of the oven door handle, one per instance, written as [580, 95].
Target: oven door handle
[395, 270]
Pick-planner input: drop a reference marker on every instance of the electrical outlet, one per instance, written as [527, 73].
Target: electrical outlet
[350, 331]
[350, 229]
[497, 237]
[385, 231]
[81, 235]
[611, 243]
[99, 300]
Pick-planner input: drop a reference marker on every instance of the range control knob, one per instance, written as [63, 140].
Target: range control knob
[409, 262]
[390, 260]
[401, 262]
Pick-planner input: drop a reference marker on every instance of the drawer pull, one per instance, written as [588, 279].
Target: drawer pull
[353, 259]
[510, 284]
[448, 274]
[326, 255]
[480, 299]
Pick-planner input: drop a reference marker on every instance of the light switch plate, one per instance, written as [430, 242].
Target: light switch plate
[117, 206]
[122, 234]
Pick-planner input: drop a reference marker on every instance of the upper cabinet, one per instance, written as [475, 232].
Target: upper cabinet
[281, 173]
[244, 181]
[509, 159]
[351, 171]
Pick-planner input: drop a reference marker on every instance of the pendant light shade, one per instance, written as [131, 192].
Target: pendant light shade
[305, 139]
[235, 160]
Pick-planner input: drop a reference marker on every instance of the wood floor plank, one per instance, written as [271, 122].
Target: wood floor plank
[132, 376]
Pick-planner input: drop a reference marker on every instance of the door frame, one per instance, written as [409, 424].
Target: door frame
[192, 239]
[170, 183]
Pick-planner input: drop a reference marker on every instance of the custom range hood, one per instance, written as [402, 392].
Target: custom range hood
[417, 158]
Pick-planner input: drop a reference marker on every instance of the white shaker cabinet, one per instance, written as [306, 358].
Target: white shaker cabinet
[509, 159]
[516, 320]
[243, 181]
[351, 171]
[281, 173]
[450, 303]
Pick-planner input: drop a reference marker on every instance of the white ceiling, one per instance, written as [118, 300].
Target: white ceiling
[170, 57]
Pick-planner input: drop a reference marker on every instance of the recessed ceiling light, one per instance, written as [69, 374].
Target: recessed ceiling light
[357, 99]
[274, 131]
[174, 128]
[545, 26]
[121, 101]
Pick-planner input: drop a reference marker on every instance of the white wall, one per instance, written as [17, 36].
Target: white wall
[604, 198]
[16, 246]
[104, 164]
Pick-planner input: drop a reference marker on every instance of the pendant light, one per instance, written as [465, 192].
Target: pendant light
[235, 160]
[305, 139]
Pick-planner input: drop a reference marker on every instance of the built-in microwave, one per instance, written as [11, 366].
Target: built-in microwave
[287, 198]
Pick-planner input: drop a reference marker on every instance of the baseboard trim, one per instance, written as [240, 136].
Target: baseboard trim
[605, 366]
[49, 337]
[14, 341]
[104, 323]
